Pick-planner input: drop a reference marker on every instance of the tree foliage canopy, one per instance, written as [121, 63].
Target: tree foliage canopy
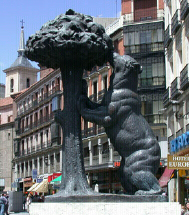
[70, 40]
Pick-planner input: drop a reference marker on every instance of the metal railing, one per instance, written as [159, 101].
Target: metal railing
[37, 123]
[184, 78]
[175, 22]
[153, 81]
[144, 48]
[39, 100]
[184, 9]
[95, 130]
[175, 87]
[154, 118]
[167, 36]
[39, 147]
[166, 96]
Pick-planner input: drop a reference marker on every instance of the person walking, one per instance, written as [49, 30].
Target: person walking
[3, 202]
[28, 201]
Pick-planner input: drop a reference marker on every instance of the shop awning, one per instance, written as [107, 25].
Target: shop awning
[163, 181]
[56, 180]
[32, 187]
[42, 187]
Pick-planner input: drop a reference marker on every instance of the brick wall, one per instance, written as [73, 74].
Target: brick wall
[125, 6]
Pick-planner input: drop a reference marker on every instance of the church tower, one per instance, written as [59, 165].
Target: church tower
[21, 73]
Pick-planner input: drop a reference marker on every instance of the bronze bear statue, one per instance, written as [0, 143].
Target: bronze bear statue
[120, 114]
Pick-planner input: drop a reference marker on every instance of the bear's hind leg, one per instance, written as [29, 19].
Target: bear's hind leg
[146, 183]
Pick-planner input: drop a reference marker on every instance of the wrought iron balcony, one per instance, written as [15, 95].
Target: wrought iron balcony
[184, 9]
[92, 131]
[175, 88]
[184, 78]
[93, 97]
[101, 94]
[175, 22]
[154, 118]
[166, 97]
[144, 48]
[167, 36]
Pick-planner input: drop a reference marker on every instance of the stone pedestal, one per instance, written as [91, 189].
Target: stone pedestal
[105, 208]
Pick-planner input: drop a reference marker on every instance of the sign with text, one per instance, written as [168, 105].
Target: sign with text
[34, 173]
[177, 162]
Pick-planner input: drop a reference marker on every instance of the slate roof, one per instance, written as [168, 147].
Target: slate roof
[22, 61]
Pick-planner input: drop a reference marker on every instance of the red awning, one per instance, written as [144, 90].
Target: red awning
[163, 181]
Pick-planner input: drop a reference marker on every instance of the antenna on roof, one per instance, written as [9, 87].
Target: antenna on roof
[22, 21]
[116, 8]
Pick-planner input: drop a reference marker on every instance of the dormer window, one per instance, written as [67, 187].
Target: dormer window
[27, 83]
[12, 85]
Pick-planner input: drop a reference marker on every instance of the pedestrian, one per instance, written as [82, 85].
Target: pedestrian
[7, 205]
[183, 210]
[24, 202]
[28, 201]
[187, 209]
[3, 202]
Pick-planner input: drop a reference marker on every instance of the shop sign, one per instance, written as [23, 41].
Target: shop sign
[27, 179]
[177, 162]
[34, 173]
[53, 176]
[117, 164]
[28, 184]
[39, 180]
[180, 142]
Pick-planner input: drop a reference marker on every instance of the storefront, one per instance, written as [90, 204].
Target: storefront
[27, 183]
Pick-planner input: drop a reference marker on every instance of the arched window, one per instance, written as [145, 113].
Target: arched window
[12, 85]
[27, 82]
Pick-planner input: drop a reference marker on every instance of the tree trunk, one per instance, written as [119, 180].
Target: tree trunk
[74, 180]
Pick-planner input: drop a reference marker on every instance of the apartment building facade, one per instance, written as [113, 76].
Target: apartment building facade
[175, 99]
[37, 146]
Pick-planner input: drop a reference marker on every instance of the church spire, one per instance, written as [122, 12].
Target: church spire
[22, 43]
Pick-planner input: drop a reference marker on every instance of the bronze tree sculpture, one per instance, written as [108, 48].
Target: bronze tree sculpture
[71, 42]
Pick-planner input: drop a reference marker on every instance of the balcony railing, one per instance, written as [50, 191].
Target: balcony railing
[184, 9]
[170, 52]
[154, 118]
[41, 99]
[143, 16]
[166, 97]
[175, 88]
[167, 36]
[184, 78]
[153, 81]
[101, 94]
[39, 147]
[115, 26]
[93, 131]
[144, 48]
[175, 22]
[37, 123]
[93, 97]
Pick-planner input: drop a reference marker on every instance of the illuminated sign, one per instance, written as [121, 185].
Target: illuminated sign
[177, 162]
[179, 142]
[117, 164]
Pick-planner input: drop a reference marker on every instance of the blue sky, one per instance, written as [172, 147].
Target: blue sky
[35, 14]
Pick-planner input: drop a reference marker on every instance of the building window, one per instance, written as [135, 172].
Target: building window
[27, 83]
[52, 159]
[12, 85]
[58, 158]
[145, 37]
[9, 118]
[86, 152]
[95, 150]
[8, 136]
